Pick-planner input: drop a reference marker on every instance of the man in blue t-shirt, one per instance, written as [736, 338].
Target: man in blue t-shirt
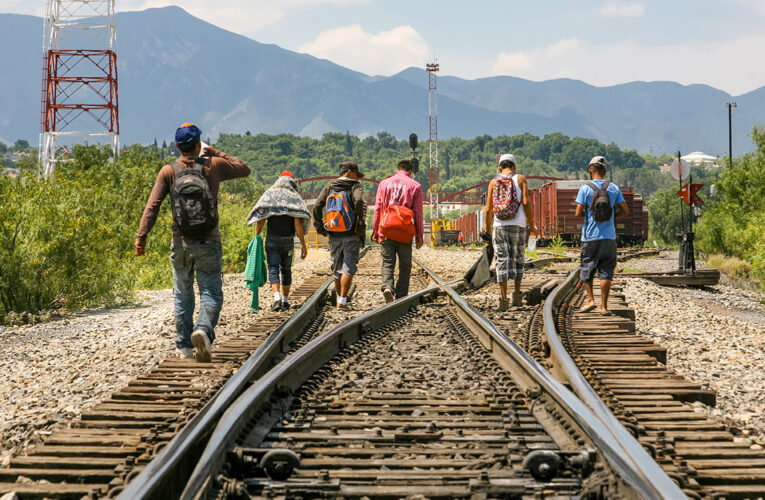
[598, 238]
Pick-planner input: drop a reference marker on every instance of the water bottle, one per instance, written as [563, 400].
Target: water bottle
[532, 242]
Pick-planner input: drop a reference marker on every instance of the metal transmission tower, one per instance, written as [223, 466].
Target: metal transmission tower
[433, 141]
[79, 76]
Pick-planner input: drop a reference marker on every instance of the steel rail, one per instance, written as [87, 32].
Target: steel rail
[161, 478]
[622, 451]
[644, 473]
[288, 376]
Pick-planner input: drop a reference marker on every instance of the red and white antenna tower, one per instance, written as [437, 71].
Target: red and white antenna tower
[79, 76]
[432, 69]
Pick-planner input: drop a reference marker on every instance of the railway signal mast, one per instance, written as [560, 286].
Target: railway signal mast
[79, 77]
[432, 69]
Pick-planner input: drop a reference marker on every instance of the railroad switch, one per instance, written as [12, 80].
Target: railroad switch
[544, 465]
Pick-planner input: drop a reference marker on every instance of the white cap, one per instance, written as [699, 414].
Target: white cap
[598, 160]
[507, 157]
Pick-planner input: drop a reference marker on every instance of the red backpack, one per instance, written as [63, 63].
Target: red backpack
[505, 198]
[397, 223]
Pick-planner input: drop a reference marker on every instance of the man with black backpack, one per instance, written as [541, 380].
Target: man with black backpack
[340, 214]
[192, 182]
[599, 201]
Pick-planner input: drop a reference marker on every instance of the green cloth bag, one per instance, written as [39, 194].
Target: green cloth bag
[255, 272]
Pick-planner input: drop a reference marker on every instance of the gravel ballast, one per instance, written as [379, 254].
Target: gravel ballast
[714, 336]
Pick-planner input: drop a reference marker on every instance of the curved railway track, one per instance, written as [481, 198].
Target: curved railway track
[177, 401]
[415, 398]
[621, 375]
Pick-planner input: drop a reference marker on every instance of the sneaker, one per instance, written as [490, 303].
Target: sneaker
[344, 307]
[285, 306]
[277, 306]
[202, 343]
[504, 305]
[517, 298]
[388, 294]
[185, 353]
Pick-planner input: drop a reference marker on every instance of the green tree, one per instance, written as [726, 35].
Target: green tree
[664, 216]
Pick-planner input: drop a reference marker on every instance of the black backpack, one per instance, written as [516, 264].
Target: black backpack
[195, 211]
[600, 205]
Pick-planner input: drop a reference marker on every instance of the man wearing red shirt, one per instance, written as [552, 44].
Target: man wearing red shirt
[401, 190]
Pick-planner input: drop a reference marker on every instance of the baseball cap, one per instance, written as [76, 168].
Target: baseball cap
[349, 166]
[507, 157]
[287, 173]
[188, 133]
[598, 160]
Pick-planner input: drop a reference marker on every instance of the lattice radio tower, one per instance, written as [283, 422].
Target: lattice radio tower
[432, 69]
[79, 77]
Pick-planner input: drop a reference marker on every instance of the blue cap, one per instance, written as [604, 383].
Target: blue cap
[188, 133]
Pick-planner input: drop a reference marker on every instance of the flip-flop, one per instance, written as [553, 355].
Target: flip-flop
[607, 313]
[587, 309]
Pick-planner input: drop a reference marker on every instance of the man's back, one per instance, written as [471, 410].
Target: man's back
[593, 230]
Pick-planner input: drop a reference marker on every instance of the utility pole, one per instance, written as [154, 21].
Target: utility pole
[730, 106]
[79, 77]
[432, 69]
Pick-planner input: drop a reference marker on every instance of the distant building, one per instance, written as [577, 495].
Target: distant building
[697, 158]
[664, 169]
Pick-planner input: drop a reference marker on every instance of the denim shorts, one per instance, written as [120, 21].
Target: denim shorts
[279, 250]
[600, 255]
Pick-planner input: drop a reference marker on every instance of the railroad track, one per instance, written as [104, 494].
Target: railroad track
[419, 397]
[112, 442]
[616, 371]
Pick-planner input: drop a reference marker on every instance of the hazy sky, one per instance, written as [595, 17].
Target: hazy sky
[603, 42]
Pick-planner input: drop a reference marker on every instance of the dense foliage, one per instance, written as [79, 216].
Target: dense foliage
[733, 225]
[462, 162]
[68, 241]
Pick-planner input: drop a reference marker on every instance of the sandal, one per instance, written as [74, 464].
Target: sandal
[607, 313]
[587, 309]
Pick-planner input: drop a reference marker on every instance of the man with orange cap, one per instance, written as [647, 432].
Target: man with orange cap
[192, 182]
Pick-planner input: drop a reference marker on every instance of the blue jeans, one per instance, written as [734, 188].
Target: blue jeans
[279, 250]
[204, 258]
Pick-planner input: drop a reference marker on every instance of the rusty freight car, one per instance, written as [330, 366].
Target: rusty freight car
[554, 208]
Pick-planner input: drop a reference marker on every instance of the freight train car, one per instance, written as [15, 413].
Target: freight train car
[470, 225]
[555, 205]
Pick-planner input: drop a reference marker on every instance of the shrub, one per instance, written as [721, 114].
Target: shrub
[67, 241]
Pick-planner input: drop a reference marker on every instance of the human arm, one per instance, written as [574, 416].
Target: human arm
[227, 166]
[622, 211]
[621, 205]
[259, 226]
[300, 232]
[488, 210]
[318, 211]
[581, 202]
[379, 203]
[359, 207]
[418, 220]
[526, 201]
[151, 211]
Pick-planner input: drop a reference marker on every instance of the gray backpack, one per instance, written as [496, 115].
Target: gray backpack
[600, 205]
[195, 211]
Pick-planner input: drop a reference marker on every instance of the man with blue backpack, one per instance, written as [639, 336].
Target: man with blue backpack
[340, 213]
[600, 202]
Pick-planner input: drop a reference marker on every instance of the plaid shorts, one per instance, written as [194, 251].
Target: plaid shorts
[510, 247]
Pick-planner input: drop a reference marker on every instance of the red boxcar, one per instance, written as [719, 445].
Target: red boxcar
[555, 205]
[470, 225]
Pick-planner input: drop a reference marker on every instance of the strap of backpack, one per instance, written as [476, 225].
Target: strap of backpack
[594, 187]
[177, 169]
[605, 185]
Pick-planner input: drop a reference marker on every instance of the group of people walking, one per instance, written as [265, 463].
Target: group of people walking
[339, 213]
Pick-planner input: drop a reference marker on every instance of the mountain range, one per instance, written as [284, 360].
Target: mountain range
[174, 67]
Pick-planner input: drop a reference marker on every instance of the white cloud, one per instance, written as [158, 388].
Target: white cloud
[757, 6]
[385, 53]
[240, 16]
[726, 65]
[621, 8]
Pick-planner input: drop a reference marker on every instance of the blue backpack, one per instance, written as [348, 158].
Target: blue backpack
[339, 216]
